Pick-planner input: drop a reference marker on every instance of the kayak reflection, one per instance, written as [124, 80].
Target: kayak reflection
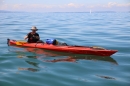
[29, 69]
[33, 63]
[67, 56]
[52, 56]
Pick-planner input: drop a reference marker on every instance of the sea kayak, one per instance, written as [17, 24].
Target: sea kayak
[70, 49]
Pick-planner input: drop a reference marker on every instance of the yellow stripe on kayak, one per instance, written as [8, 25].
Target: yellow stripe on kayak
[20, 42]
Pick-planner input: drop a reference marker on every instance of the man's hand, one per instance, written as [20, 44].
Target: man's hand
[37, 37]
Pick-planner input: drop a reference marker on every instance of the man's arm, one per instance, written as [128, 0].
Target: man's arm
[37, 37]
[25, 37]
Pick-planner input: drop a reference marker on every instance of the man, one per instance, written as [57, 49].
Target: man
[32, 37]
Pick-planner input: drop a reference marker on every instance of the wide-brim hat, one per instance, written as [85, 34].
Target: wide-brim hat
[34, 28]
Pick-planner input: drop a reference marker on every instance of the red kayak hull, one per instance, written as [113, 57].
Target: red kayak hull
[69, 49]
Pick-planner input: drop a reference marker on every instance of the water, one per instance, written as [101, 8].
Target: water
[36, 67]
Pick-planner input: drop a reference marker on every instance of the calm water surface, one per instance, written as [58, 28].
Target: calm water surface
[37, 67]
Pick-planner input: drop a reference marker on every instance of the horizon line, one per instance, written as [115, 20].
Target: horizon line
[9, 11]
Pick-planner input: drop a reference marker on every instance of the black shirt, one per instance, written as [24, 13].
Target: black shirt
[32, 37]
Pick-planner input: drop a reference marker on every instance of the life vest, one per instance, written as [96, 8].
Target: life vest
[32, 37]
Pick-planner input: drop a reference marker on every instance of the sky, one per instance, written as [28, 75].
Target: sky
[65, 5]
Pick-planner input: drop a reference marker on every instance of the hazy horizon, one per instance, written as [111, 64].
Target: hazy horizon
[65, 6]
